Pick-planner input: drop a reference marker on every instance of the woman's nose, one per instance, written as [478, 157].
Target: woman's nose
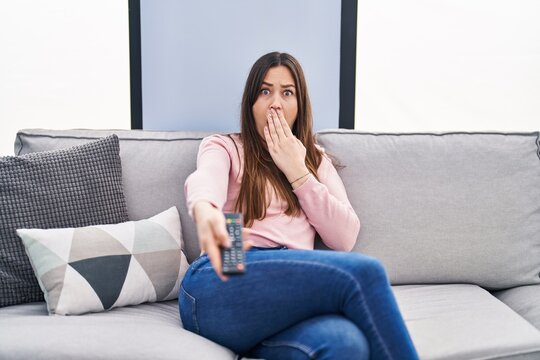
[275, 103]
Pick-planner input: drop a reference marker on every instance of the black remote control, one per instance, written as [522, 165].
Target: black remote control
[232, 259]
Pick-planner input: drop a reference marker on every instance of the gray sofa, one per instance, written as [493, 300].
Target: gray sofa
[454, 217]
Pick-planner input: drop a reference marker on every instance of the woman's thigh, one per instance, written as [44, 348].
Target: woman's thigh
[280, 288]
[321, 337]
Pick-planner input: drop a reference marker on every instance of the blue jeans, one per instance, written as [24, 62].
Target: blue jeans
[297, 304]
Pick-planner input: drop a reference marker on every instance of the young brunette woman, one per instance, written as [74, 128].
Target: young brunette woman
[293, 302]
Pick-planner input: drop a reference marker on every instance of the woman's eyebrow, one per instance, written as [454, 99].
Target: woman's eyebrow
[283, 85]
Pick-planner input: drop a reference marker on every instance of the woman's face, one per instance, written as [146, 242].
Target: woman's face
[277, 91]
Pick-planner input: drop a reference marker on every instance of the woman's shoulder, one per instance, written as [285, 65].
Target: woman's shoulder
[320, 148]
[322, 151]
[229, 143]
[225, 140]
[328, 160]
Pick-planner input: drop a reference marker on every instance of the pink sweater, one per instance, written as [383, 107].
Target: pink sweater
[325, 206]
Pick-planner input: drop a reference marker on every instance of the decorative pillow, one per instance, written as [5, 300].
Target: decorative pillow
[73, 187]
[97, 268]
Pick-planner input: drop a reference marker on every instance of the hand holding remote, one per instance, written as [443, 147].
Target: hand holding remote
[212, 233]
[232, 258]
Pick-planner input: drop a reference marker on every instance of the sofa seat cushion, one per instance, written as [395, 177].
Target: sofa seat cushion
[463, 321]
[147, 331]
[524, 301]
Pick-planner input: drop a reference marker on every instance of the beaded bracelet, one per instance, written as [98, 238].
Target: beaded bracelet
[301, 177]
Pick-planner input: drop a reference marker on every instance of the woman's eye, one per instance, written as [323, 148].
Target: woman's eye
[288, 93]
[265, 91]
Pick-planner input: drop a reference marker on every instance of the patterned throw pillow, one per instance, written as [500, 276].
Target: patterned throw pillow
[97, 268]
[73, 187]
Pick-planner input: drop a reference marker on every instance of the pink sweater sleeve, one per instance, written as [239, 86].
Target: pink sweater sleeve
[211, 179]
[328, 209]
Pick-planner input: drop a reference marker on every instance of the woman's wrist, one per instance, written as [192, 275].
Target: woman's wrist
[297, 174]
[299, 183]
[201, 204]
[300, 178]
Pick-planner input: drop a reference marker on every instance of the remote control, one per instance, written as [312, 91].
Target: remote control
[232, 259]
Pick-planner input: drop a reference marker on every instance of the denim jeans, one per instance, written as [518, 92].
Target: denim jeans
[297, 304]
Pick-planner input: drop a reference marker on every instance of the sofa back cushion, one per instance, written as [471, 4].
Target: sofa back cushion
[445, 208]
[435, 208]
[154, 167]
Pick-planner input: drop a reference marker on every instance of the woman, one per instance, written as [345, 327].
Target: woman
[290, 304]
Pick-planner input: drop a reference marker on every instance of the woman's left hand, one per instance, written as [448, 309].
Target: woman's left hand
[288, 153]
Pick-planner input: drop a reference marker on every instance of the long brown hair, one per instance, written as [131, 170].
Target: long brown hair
[259, 168]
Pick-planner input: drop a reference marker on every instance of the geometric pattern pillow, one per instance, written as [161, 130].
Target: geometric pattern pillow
[97, 268]
[72, 187]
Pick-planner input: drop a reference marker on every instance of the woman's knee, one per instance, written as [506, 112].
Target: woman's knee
[342, 339]
[329, 336]
[368, 268]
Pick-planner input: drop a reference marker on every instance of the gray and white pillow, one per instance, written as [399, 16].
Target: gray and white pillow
[72, 187]
[97, 268]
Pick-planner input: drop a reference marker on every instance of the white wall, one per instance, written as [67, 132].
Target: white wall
[423, 65]
[438, 65]
[63, 64]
